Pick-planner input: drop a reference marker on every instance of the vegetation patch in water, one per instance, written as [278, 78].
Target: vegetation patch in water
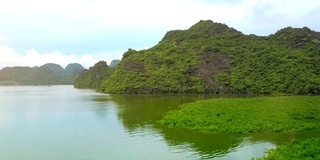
[298, 149]
[247, 115]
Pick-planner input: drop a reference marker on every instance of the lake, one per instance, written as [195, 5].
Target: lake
[60, 122]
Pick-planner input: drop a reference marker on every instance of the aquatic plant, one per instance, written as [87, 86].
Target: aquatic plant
[299, 149]
[247, 115]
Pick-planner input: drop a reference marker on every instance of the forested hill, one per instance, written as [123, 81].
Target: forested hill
[94, 76]
[47, 74]
[214, 58]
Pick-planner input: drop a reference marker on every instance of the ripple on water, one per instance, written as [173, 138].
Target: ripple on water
[245, 150]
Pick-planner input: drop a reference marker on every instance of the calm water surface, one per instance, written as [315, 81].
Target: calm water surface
[60, 122]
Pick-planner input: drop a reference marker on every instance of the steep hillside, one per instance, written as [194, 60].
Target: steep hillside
[47, 74]
[213, 58]
[93, 77]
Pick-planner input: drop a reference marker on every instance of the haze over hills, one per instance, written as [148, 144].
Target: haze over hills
[214, 58]
[114, 62]
[47, 74]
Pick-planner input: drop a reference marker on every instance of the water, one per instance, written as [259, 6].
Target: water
[60, 122]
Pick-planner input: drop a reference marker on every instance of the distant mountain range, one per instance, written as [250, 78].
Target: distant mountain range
[114, 62]
[47, 74]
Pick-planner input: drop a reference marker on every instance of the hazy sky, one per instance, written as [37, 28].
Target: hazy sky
[35, 32]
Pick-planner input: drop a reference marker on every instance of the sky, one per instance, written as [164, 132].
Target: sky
[35, 32]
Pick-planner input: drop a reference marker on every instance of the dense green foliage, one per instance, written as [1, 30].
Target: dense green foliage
[48, 74]
[211, 57]
[308, 149]
[248, 115]
[93, 77]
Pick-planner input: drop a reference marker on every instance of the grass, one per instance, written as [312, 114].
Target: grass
[247, 115]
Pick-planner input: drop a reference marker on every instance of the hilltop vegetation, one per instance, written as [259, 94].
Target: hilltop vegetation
[47, 74]
[213, 58]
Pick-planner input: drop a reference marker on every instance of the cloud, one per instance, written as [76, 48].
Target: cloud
[104, 29]
[264, 17]
[114, 13]
[9, 57]
[65, 21]
[2, 40]
[281, 11]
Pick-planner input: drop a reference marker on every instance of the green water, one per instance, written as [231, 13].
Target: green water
[60, 122]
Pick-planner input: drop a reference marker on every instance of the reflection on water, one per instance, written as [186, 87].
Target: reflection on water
[61, 122]
[247, 149]
[139, 111]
